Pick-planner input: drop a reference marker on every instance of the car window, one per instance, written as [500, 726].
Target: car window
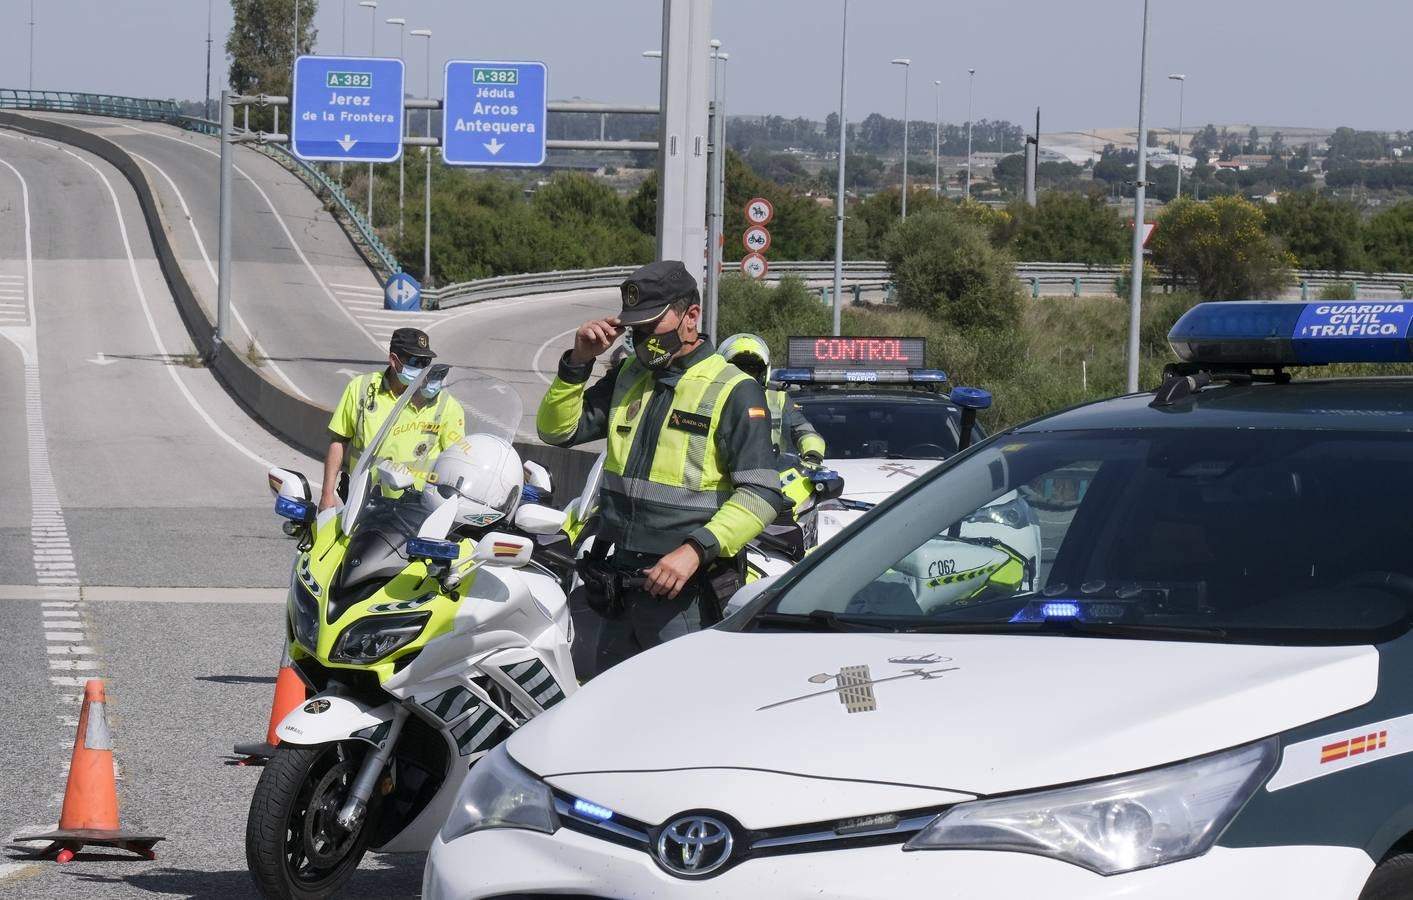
[876, 427]
[1252, 535]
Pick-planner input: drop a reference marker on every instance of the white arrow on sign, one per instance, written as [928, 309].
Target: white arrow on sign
[494, 146]
[401, 291]
[347, 142]
[101, 360]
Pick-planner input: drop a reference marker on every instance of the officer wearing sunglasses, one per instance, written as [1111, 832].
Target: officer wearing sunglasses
[427, 425]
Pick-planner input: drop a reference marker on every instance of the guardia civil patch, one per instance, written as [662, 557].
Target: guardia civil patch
[689, 422]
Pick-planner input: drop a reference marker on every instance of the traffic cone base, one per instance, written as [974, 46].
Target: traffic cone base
[90, 813]
[290, 694]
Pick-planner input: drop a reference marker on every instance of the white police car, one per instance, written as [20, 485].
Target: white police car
[1206, 694]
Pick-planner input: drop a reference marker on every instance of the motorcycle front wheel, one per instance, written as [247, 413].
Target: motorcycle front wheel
[293, 845]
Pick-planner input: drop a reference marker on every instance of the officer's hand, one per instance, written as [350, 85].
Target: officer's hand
[672, 572]
[593, 338]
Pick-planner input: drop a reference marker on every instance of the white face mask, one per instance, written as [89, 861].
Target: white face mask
[431, 389]
[408, 375]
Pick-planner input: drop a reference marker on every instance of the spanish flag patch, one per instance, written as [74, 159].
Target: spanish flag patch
[756, 412]
[504, 549]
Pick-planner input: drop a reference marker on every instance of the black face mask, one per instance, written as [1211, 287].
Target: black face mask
[655, 351]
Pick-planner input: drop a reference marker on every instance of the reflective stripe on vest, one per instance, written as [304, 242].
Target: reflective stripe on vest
[775, 401]
[681, 458]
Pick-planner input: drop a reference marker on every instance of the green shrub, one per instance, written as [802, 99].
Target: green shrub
[945, 267]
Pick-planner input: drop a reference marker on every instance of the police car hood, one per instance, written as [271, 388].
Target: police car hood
[779, 723]
[874, 480]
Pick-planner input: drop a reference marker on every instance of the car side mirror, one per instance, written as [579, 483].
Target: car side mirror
[535, 519]
[500, 549]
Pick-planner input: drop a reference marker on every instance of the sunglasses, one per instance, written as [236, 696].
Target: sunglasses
[417, 362]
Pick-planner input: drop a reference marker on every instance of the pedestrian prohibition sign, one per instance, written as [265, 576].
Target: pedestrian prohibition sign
[495, 114]
[346, 109]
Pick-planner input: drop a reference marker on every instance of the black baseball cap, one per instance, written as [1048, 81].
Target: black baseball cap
[648, 292]
[411, 342]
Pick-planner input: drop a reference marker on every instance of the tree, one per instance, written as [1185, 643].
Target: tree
[1388, 239]
[945, 267]
[802, 228]
[261, 50]
[1323, 232]
[1066, 227]
[1221, 246]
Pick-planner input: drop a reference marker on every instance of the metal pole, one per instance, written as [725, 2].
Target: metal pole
[372, 51]
[223, 239]
[31, 45]
[402, 155]
[683, 134]
[717, 222]
[343, 31]
[937, 145]
[907, 78]
[296, 38]
[1182, 90]
[206, 110]
[1135, 296]
[427, 179]
[839, 198]
[971, 80]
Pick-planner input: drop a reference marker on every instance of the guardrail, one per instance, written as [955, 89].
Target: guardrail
[346, 213]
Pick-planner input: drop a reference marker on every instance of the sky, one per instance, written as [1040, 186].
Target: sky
[1306, 63]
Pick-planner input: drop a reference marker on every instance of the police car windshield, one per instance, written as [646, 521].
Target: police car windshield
[1263, 536]
[877, 426]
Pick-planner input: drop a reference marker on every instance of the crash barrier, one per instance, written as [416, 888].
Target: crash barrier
[298, 422]
[360, 232]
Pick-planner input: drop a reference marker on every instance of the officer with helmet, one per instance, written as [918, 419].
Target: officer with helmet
[689, 474]
[428, 424]
[790, 432]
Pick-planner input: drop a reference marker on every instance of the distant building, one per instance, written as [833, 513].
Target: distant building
[1252, 161]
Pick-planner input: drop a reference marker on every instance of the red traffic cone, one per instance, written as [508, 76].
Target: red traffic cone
[290, 692]
[90, 814]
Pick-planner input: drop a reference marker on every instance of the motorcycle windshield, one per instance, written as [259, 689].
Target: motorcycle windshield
[388, 487]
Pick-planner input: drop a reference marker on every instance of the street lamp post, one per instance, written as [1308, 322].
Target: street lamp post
[839, 197]
[971, 80]
[1182, 89]
[206, 110]
[1135, 296]
[937, 144]
[907, 65]
[372, 6]
[716, 222]
[31, 49]
[401, 162]
[427, 182]
[295, 55]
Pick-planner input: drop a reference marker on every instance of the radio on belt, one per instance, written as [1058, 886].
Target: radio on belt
[841, 360]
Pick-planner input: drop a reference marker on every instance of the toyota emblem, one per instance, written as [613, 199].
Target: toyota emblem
[692, 846]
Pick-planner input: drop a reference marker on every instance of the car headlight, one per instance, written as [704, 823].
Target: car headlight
[1113, 826]
[304, 617]
[498, 793]
[369, 640]
[1012, 514]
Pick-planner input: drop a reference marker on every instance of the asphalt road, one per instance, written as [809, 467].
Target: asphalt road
[133, 470]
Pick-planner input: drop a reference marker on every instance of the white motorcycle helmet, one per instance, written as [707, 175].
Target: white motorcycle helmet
[482, 474]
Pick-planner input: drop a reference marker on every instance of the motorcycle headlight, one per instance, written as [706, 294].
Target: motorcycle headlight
[369, 640]
[498, 793]
[304, 617]
[1113, 826]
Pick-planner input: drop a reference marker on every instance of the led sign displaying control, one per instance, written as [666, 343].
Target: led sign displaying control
[858, 352]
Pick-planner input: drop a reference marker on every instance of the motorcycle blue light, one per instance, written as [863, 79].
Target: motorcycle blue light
[301, 511]
[1276, 334]
[1060, 610]
[592, 810]
[971, 397]
[438, 551]
[793, 376]
[531, 494]
[927, 376]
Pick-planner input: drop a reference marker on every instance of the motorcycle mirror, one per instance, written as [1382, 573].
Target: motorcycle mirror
[288, 483]
[394, 475]
[536, 519]
[500, 549]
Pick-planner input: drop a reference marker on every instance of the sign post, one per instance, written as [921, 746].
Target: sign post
[347, 109]
[494, 113]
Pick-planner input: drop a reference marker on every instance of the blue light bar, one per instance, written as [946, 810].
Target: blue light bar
[592, 810]
[1271, 334]
[793, 376]
[301, 511]
[437, 551]
[1063, 609]
[927, 376]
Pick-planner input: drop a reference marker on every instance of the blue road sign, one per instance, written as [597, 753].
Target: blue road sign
[347, 109]
[402, 292]
[495, 114]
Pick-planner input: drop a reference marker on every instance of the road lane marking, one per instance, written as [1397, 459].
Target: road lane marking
[211, 270]
[152, 323]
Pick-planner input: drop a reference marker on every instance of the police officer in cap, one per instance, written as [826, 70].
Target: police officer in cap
[689, 475]
[428, 424]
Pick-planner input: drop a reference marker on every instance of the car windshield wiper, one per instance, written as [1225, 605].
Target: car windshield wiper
[1133, 629]
[821, 620]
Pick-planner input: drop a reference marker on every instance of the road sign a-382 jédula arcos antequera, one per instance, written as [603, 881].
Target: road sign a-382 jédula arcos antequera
[346, 109]
[495, 113]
